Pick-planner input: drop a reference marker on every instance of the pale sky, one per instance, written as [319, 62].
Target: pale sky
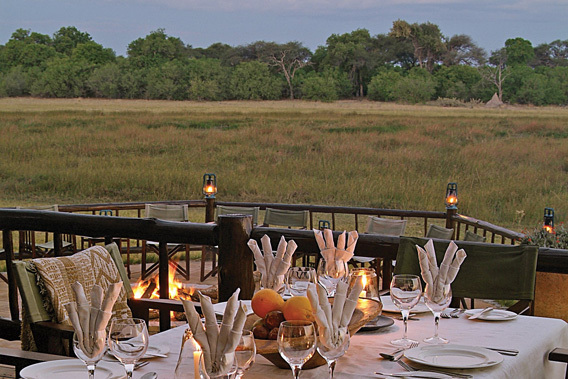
[200, 23]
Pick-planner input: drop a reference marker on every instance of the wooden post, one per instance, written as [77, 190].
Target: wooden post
[163, 279]
[12, 286]
[235, 258]
[450, 213]
[209, 209]
[57, 243]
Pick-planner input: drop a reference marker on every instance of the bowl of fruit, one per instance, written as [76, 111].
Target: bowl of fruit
[270, 309]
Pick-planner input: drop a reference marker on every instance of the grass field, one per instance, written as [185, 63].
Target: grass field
[509, 163]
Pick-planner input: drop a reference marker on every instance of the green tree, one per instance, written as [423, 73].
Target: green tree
[208, 79]
[63, 77]
[155, 49]
[426, 38]
[461, 50]
[105, 81]
[457, 81]
[253, 81]
[519, 51]
[68, 38]
[93, 53]
[417, 87]
[15, 82]
[382, 85]
[328, 85]
[554, 54]
[26, 49]
[170, 81]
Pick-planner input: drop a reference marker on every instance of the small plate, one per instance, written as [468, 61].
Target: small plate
[219, 308]
[388, 306]
[71, 369]
[454, 356]
[493, 315]
[377, 323]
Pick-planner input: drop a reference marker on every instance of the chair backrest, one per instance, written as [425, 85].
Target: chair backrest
[490, 271]
[228, 209]
[473, 237]
[439, 232]
[169, 212]
[52, 208]
[288, 218]
[386, 226]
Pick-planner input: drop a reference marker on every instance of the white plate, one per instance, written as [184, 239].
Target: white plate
[219, 308]
[454, 356]
[150, 353]
[388, 306]
[71, 369]
[493, 315]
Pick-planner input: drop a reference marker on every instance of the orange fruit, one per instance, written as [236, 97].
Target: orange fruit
[298, 308]
[266, 300]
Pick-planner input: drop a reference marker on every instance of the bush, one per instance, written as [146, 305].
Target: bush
[317, 87]
[418, 87]
[253, 81]
[382, 86]
[558, 239]
[15, 82]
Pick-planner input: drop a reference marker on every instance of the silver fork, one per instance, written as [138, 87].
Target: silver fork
[445, 314]
[407, 367]
[395, 354]
[456, 312]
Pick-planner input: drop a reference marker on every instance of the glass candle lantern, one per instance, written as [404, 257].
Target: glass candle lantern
[368, 278]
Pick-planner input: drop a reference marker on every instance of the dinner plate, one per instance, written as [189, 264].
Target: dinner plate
[388, 306]
[493, 315]
[71, 369]
[219, 308]
[150, 353]
[454, 356]
[377, 323]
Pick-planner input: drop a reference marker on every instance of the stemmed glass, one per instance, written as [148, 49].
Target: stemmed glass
[296, 343]
[330, 273]
[91, 360]
[228, 374]
[245, 352]
[297, 279]
[332, 354]
[437, 302]
[405, 292]
[128, 341]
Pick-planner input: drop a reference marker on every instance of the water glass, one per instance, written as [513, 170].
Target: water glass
[128, 341]
[89, 359]
[331, 354]
[405, 292]
[330, 273]
[227, 374]
[437, 300]
[297, 279]
[245, 352]
[296, 343]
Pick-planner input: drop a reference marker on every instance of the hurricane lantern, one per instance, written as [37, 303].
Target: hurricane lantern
[324, 224]
[368, 278]
[452, 196]
[209, 186]
[548, 224]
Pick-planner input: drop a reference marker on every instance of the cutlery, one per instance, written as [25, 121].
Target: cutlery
[415, 374]
[485, 310]
[155, 355]
[510, 352]
[456, 313]
[141, 364]
[407, 367]
[410, 317]
[394, 355]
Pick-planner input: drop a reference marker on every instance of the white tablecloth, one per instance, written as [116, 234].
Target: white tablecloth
[534, 337]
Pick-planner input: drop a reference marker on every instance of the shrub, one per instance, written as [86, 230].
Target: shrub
[558, 239]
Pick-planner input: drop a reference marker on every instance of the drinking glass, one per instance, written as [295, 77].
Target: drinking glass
[89, 359]
[297, 279]
[203, 374]
[128, 341]
[330, 273]
[332, 354]
[405, 292]
[437, 302]
[296, 343]
[245, 352]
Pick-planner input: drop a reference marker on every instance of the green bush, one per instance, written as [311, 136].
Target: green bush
[382, 85]
[558, 239]
[253, 81]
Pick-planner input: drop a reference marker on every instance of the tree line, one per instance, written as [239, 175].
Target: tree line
[412, 63]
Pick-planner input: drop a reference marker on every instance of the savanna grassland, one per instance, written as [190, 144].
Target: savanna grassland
[509, 163]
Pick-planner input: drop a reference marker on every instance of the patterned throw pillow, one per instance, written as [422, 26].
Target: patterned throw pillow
[88, 267]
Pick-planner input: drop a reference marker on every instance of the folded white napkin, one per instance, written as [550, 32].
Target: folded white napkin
[340, 254]
[271, 268]
[217, 344]
[436, 278]
[333, 321]
[90, 320]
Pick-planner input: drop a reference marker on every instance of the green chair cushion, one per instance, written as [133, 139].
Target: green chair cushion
[490, 271]
[435, 231]
[473, 237]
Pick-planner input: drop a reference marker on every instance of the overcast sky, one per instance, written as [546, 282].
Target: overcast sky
[199, 23]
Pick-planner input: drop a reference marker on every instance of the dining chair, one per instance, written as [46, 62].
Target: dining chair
[168, 212]
[439, 232]
[291, 219]
[213, 251]
[490, 271]
[384, 226]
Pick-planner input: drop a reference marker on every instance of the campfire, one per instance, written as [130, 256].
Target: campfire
[150, 289]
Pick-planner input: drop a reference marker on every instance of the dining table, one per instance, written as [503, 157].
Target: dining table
[533, 337]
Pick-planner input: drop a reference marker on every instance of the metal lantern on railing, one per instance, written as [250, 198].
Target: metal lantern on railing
[324, 224]
[548, 224]
[209, 186]
[452, 196]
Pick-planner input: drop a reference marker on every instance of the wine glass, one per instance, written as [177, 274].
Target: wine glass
[330, 273]
[405, 292]
[437, 302]
[245, 352]
[128, 341]
[296, 343]
[297, 279]
[228, 374]
[97, 340]
[331, 354]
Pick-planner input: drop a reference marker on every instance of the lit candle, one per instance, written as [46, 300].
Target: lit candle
[364, 280]
[196, 357]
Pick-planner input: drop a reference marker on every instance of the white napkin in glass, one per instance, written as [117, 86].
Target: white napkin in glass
[333, 321]
[436, 278]
[340, 254]
[272, 268]
[217, 344]
[90, 320]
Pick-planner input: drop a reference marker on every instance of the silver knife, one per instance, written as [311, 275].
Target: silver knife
[415, 374]
[484, 311]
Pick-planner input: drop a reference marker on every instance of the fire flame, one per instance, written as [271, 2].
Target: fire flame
[176, 287]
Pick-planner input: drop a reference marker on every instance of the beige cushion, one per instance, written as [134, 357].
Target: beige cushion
[87, 267]
[435, 231]
[386, 226]
[474, 237]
